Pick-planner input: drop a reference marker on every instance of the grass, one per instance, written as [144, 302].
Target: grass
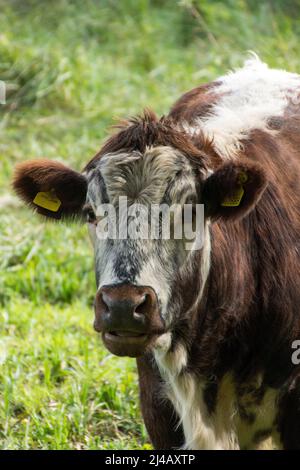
[70, 70]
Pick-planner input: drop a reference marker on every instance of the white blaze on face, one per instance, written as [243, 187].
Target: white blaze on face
[153, 274]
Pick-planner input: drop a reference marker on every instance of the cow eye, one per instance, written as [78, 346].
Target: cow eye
[89, 214]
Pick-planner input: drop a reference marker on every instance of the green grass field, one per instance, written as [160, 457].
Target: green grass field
[71, 68]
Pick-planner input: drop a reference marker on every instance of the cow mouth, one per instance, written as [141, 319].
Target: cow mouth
[125, 343]
[124, 335]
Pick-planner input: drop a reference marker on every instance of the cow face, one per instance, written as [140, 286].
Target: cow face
[136, 275]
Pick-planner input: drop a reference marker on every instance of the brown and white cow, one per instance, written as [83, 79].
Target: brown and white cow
[212, 329]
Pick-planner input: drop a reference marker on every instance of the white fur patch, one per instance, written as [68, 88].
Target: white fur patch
[142, 178]
[224, 429]
[108, 276]
[153, 275]
[170, 363]
[248, 98]
[163, 343]
[185, 391]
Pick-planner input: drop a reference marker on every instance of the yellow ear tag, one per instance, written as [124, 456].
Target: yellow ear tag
[236, 197]
[47, 200]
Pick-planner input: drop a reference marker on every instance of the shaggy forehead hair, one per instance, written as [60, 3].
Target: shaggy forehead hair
[145, 177]
[142, 157]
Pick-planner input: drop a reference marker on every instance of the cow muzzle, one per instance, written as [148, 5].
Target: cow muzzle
[128, 317]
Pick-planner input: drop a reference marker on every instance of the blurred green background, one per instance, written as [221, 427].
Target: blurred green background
[71, 68]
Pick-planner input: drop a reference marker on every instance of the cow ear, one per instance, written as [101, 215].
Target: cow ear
[232, 191]
[51, 188]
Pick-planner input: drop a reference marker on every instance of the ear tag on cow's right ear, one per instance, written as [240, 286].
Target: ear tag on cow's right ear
[47, 200]
[235, 199]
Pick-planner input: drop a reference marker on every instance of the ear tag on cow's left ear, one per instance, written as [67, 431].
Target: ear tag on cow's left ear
[47, 200]
[235, 199]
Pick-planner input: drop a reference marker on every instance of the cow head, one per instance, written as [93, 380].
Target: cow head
[137, 302]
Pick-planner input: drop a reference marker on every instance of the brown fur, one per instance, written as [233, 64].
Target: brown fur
[159, 416]
[194, 103]
[147, 130]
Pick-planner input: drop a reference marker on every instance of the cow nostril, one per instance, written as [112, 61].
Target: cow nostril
[103, 301]
[143, 307]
